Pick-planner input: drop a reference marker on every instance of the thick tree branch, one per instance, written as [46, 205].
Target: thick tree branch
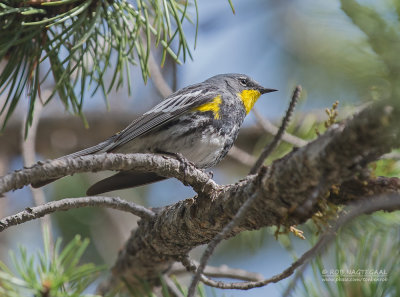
[163, 165]
[357, 189]
[32, 213]
[282, 198]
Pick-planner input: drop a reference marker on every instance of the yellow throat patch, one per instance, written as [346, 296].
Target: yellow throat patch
[249, 98]
[211, 106]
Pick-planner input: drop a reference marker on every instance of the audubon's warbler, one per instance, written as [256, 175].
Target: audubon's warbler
[200, 122]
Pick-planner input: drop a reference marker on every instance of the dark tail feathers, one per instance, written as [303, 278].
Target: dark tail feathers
[123, 180]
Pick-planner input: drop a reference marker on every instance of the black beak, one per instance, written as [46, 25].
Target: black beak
[265, 90]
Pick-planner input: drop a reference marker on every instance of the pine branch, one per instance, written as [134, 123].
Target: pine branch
[54, 272]
[93, 36]
[382, 37]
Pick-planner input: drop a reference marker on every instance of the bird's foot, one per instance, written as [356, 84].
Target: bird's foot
[183, 163]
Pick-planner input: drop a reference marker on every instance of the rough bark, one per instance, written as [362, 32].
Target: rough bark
[163, 165]
[287, 193]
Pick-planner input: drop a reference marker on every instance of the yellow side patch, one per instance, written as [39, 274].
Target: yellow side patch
[249, 98]
[211, 106]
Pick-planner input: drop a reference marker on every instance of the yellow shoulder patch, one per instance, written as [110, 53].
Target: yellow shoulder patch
[213, 106]
[249, 98]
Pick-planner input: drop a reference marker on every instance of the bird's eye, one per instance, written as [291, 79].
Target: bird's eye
[243, 82]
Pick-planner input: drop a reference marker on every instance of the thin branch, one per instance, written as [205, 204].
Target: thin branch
[278, 137]
[293, 281]
[28, 149]
[272, 129]
[166, 166]
[222, 271]
[28, 143]
[216, 240]
[385, 202]
[31, 213]
[158, 79]
[241, 156]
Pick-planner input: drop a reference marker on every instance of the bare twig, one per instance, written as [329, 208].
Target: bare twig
[28, 150]
[157, 77]
[162, 165]
[384, 202]
[31, 213]
[278, 136]
[241, 156]
[216, 240]
[272, 129]
[222, 271]
[293, 281]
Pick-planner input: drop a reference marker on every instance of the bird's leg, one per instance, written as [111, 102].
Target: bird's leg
[184, 162]
[177, 156]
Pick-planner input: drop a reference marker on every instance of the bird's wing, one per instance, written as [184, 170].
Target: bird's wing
[90, 150]
[170, 108]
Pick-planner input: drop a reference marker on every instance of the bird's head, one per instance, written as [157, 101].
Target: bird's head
[246, 88]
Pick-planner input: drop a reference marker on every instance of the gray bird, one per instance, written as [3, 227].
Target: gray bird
[199, 122]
